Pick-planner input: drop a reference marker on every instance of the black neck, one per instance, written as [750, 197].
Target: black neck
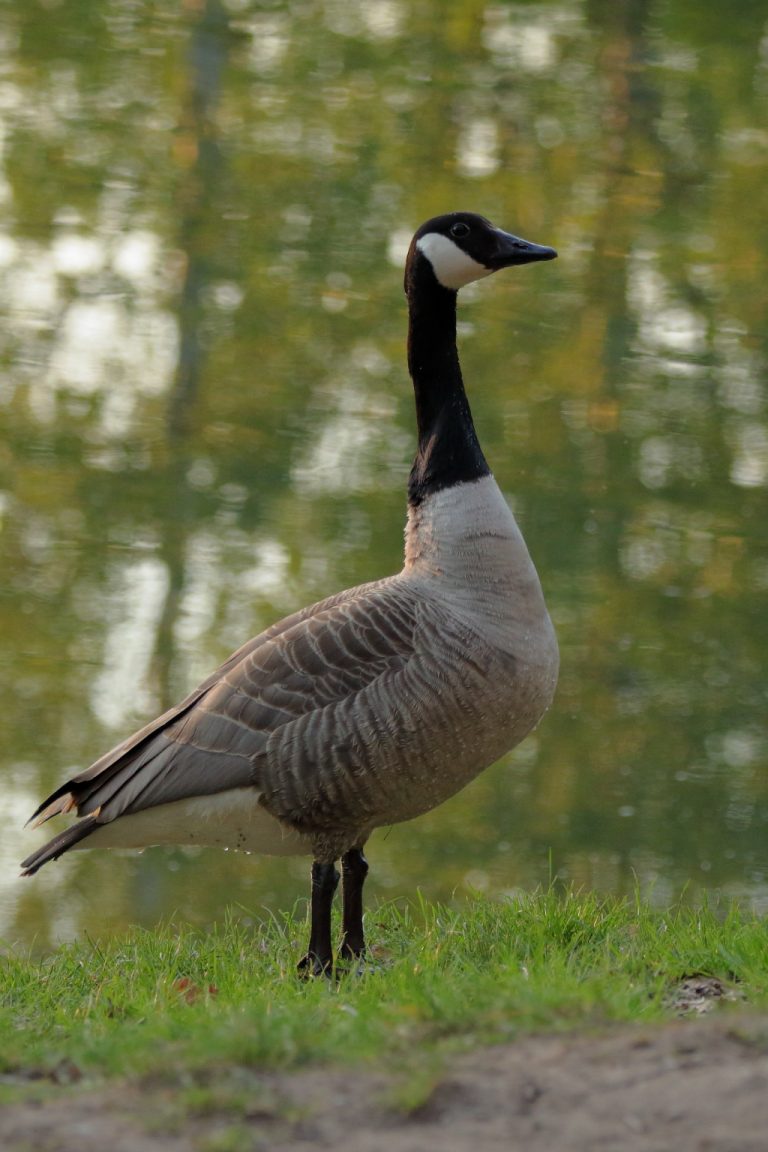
[448, 451]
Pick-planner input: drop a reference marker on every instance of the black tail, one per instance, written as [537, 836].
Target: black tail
[60, 844]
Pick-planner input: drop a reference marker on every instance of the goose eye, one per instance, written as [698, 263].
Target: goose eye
[459, 229]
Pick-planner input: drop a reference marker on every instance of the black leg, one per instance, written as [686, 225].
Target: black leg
[319, 958]
[354, 869]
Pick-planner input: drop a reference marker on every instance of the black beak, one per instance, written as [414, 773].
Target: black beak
[511, 250]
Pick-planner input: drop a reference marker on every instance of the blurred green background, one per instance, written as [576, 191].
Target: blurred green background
[206, 421]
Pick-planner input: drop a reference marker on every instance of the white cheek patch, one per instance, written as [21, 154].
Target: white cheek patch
[452, 267]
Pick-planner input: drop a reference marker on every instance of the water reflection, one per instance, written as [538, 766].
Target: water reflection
[206, 420]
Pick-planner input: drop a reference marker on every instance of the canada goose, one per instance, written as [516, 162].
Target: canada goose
[375, 705]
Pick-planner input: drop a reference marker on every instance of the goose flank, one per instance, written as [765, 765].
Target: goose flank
[374, 705]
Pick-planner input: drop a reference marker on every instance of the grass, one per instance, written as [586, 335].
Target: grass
[175, 1003]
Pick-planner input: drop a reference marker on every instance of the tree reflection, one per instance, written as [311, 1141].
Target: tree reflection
[206, 419]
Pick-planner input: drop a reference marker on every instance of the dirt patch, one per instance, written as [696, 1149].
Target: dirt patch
[690, 1086]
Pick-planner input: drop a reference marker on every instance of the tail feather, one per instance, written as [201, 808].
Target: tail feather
[57, 802]
[55, 805]
[60, 844]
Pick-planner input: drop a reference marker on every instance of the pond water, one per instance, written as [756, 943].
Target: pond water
[206, 421]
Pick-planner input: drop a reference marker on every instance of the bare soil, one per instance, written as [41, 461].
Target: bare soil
[689, 1086]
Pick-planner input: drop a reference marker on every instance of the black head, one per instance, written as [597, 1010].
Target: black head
[461, 247]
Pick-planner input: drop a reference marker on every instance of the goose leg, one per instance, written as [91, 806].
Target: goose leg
[354, 869]
[319, 958]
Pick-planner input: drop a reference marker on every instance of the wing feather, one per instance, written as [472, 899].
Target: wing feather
[217, 736]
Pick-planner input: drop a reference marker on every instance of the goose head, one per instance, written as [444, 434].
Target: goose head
[460, 247]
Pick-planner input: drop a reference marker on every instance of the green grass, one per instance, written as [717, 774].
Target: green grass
[174, 1002]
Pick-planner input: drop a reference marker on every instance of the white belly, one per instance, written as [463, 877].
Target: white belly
[232, 819]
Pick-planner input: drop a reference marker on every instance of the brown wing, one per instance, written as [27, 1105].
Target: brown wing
[213, 740]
